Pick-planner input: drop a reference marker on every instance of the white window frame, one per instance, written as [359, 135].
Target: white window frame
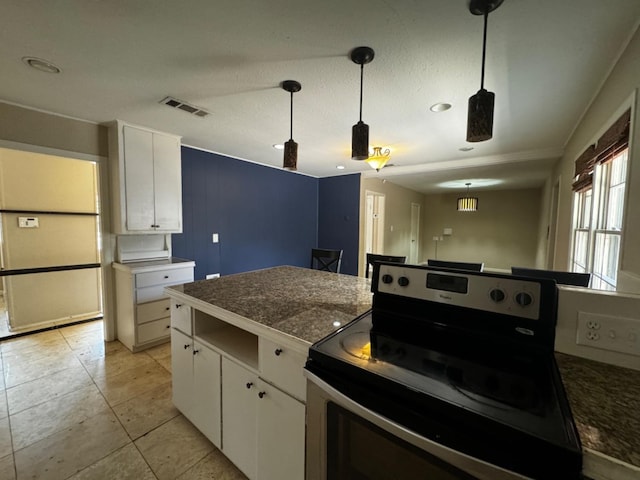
[592, 216]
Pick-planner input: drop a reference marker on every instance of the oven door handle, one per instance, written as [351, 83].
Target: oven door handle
[474, 466]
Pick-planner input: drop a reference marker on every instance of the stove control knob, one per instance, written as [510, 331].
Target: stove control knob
[524, 299]
[403, 281]
[497, 295]
[386, 278]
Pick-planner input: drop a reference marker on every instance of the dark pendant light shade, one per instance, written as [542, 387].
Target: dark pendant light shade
[360, 131]
[480, 116]
[480, 113]
[290, 161]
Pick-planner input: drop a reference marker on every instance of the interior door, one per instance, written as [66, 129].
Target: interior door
[414, 240]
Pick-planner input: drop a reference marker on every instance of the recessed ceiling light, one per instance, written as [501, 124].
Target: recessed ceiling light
[465, 149]
[278, 146]
[440, 107]
[41, 64]
[340, 167]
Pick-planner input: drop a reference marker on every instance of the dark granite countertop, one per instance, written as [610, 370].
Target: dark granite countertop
[605, 402]
[304, 303]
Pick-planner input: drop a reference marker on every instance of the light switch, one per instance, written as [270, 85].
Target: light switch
[215, 238]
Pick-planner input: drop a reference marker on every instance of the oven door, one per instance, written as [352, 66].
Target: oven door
[348, 441]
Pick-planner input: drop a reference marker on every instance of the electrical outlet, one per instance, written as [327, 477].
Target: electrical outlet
[608, 332]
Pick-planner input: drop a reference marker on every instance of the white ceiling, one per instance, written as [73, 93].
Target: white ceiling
[546, 59]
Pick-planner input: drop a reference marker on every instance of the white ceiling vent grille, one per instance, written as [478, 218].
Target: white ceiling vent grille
[184, 106]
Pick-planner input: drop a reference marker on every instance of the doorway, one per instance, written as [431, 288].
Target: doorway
[551, 231]
[49, 241]
[373, 225]
[414, 239]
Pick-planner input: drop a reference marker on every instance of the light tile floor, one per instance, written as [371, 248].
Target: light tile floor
[73, 406]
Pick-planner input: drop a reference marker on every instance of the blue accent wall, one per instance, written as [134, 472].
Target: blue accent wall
[339, 218]
[265, 217]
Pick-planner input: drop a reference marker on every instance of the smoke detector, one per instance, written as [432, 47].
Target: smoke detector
[184, 106]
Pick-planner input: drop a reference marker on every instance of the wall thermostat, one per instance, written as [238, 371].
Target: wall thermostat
[28, 222]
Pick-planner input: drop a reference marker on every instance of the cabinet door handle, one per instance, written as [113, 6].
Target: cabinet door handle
[178, 305]
[278, 351]
[166, 276]
[195, 352]
[262, 394]
[249, 384]
[187, 346]
[167, 308]
[168, 326]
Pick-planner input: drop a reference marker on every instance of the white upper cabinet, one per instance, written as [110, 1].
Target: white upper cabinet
[146, 180]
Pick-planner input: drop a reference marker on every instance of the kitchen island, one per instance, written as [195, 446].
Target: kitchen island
[239, 344]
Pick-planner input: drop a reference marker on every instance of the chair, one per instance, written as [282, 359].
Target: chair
[474, 267]
[562, 278]
[327, 260]
[372, 257]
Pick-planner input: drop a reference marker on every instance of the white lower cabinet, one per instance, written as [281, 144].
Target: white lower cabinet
[196, 384]
[239, 416]
[143, 309]
[242, 390]
[263, 428]
[281, 435]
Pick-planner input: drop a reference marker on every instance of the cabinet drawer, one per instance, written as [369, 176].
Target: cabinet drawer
[154, 330]
[181, 317]
[164, 277]
[283, 367]
[150, 294]
[152, 311]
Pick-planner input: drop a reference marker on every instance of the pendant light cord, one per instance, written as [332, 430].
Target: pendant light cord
[291, 126]
[484, 46]
[361, 82]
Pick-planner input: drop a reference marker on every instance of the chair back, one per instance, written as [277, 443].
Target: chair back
[562, 278]
[474, 267]
[327, 260]
[373, 257]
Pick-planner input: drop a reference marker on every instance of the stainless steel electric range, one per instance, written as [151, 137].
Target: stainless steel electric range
[451, 375]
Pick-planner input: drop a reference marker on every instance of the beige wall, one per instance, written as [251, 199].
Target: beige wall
[617, 94]
[398, 202]
[31, 127]
[503, 232]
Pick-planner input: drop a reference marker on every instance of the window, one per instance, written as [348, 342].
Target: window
[598, 206]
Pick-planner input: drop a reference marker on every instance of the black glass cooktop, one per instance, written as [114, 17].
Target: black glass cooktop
[498, 405]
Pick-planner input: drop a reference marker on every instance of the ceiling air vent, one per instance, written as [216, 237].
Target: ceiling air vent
[187, 107]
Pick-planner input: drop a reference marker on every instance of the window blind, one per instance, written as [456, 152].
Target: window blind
[614, 140]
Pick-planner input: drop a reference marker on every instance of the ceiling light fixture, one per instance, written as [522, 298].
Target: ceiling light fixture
[291, 147]
[360, 131]
[40, 64]
[440, 107]
[480, 114]
[467, 203]
[379, 158]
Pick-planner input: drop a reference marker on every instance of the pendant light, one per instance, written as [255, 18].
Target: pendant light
[291, 147]
[467, 203]
[480, 113]
[360, 131]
